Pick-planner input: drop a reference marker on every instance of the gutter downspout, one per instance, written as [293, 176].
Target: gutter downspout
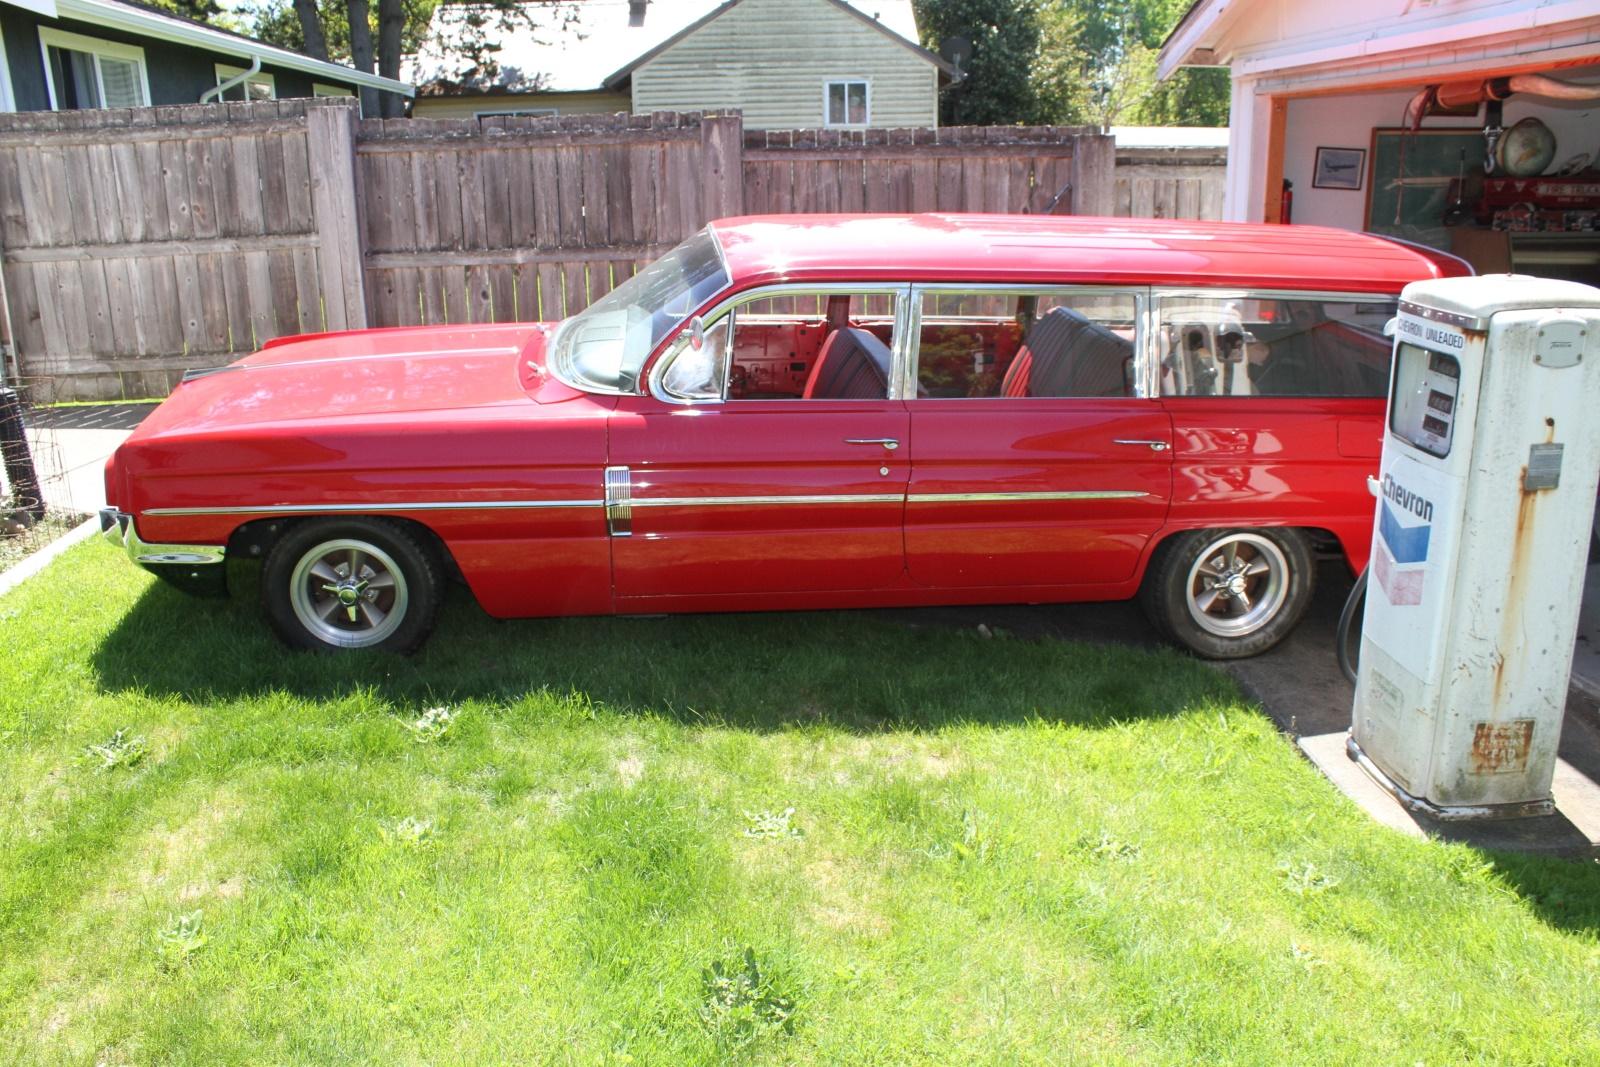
[233, 82]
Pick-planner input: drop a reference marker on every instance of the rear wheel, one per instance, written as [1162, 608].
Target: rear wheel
[1228, 594]
[351, 583]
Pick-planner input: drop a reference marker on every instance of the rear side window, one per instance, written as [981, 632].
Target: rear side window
[1021, 344]
[1274, 346]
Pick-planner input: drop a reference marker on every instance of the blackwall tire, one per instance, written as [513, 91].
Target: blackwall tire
[337, 584]
[1229, 594]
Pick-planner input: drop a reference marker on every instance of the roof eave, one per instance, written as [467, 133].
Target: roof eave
[1192, 41]
[150, 24]
[617, 77]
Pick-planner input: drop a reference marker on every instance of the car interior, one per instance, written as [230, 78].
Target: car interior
[1274, 348]
[838, 346]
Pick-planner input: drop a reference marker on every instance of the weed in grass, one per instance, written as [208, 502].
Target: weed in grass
[772, 824]
[1107, 847]
[120, 750]
[181, 939]
[740, 1004]
[1304, 879]
[432, 725]
[1307, 959]
[971, 844]
[412, 831]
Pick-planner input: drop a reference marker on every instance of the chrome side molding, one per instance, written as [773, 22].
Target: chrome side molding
[619, 502]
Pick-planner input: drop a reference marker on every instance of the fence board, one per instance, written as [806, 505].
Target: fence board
[136, 244]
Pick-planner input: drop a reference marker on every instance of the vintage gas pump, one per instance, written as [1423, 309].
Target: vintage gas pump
[1485, 499]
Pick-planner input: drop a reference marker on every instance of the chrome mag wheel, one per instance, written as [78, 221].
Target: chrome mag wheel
[348, 593]
[1237, 585]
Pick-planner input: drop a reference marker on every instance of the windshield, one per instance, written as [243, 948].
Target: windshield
[603, 348]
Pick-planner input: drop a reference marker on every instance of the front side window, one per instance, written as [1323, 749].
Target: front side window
[847, 103]
[1023, 344]
[604, 347]
[87, 73]
[1274, 346]
[793, 345]
[258, 86]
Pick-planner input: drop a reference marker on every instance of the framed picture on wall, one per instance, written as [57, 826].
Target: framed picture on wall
[1339, 168]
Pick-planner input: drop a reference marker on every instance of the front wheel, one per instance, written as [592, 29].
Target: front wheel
[1228, 594]
[351, 583]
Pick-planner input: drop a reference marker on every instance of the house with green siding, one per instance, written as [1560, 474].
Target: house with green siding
[787, 64]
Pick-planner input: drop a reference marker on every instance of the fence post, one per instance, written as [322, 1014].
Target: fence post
[1094, 163]
[17, 458]
[338, 205]
[722, 164]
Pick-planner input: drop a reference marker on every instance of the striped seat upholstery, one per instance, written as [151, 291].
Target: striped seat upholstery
[1065, 354]
[853, 365]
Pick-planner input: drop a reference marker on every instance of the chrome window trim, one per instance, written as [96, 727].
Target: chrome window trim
[1160, 295]
[1143, 369]
[555, 335]
[365, 508]
[730, 305]
[1237, 293]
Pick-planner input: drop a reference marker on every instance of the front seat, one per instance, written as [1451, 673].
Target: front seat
[853, 365]
[1067, 355]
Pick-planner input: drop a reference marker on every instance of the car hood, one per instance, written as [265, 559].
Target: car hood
[367, 374]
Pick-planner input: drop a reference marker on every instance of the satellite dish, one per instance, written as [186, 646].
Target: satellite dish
[956, 51]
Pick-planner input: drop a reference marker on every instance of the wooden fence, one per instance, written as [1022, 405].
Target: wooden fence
[1169, 183]
[138, 244]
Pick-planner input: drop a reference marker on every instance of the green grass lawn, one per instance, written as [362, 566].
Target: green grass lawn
[819, 838]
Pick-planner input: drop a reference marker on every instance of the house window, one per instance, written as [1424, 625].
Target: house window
[521, 113]
[6, 103]
[319, 89]
[83, 72]
[847, 103]
[258, 86]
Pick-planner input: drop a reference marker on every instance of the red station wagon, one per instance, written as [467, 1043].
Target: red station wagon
[804, 412]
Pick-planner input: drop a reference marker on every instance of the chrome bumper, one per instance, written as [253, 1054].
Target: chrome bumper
[117, 527]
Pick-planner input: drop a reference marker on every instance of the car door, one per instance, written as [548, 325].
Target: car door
[1035, 461]
[786, 475]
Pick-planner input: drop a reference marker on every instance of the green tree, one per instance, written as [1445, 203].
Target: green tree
[1096, 65]
[1003, 36]
[373, 34]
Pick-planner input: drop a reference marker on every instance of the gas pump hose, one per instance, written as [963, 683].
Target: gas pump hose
[1347, 622]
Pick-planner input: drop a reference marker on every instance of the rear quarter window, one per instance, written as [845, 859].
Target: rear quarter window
[1287, 346]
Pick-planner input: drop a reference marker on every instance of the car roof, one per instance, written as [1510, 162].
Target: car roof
[1044, 249]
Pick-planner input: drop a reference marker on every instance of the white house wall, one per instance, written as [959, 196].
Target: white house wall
[773, 57]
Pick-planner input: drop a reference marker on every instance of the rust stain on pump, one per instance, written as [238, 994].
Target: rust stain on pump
[1501, 747]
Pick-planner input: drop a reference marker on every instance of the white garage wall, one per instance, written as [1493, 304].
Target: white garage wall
[1347, 121]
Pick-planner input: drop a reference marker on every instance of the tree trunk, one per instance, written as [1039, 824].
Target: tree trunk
[391, 20]
[311, 29]
[361, 51]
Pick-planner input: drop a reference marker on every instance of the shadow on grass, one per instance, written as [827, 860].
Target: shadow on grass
[757, 671]
[860, 672]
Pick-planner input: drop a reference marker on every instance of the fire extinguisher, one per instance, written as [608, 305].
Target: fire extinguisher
[1286, 213]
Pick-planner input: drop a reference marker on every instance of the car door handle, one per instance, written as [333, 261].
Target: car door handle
[889, 443]
[1154, 446]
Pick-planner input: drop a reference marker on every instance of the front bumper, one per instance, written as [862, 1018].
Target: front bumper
[192, 568]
